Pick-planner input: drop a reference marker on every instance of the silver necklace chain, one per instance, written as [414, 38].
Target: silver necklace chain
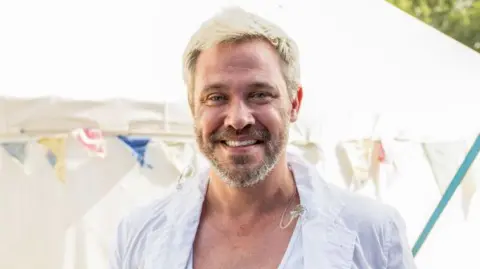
[296, 212]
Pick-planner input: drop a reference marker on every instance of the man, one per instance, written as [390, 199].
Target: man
[257, 206]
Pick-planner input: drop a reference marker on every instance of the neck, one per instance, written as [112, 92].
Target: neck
[269, 194]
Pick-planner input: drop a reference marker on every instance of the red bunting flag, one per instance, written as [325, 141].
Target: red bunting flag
[92, 140]
[381, 152]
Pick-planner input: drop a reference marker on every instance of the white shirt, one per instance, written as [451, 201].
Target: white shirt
[338, 229]
[292, 258]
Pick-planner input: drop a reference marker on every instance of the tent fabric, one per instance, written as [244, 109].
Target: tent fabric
[36, 116]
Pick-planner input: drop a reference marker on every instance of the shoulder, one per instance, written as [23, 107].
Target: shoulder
[134, 229]
[360, 211]
[379, 227]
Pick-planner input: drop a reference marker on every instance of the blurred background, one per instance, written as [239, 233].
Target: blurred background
[459, 19]
[94, 119]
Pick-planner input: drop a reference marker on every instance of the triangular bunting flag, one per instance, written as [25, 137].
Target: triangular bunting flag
[139, 146]
[16, 150]
[380, 151]
[92, 140]
[56, 154]
[445, 159]
[359, 162]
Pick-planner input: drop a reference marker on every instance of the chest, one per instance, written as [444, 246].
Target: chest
[264, 249]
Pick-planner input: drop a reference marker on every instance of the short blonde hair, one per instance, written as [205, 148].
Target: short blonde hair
[236, 25]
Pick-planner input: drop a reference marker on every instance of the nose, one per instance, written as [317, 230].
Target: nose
[239, 115]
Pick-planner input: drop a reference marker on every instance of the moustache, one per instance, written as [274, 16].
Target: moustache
[231, 134]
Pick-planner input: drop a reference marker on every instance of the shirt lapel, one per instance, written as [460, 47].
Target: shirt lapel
[327, 242]
[170, 245]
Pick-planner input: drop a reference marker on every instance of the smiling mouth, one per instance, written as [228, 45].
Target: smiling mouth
[237, 144]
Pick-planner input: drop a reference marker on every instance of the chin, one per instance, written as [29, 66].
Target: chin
[241, 177]
[243, 160]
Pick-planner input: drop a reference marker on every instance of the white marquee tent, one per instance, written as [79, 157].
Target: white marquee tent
[115, 65]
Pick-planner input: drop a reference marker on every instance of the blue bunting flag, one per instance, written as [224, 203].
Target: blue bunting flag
[16, 150]
[139, 146]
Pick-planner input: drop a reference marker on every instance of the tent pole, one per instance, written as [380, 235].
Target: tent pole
[452, 187]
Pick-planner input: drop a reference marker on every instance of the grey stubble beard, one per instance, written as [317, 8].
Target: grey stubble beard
[243, 177]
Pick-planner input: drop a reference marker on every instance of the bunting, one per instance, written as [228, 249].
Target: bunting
[445, 159]
[139, 146]
[360, 161]
[92, 140]
[380, 152]
[358, 155]
[56, 154]
[16, 150]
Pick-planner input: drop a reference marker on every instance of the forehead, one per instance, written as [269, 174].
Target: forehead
[238, 63]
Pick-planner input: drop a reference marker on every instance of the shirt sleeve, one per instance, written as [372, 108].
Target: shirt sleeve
[399, 255]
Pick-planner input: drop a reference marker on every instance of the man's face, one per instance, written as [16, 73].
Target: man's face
[242, 110]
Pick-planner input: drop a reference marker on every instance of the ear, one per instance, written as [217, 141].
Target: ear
[296, 103]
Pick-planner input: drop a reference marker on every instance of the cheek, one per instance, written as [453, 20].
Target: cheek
[273, 118]
[207, 122]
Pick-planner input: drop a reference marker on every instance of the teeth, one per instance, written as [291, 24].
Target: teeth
[232, 143]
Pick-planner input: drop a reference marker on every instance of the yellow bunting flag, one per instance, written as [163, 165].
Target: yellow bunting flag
[56, 154]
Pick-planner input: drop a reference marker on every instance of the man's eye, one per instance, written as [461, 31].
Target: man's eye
[214, 99]
[259, 95]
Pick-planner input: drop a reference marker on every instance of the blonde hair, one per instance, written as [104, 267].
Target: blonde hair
[236, 25]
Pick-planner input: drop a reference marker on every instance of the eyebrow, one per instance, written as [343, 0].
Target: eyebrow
[261, 85]
[252, 86]
[214, 87]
